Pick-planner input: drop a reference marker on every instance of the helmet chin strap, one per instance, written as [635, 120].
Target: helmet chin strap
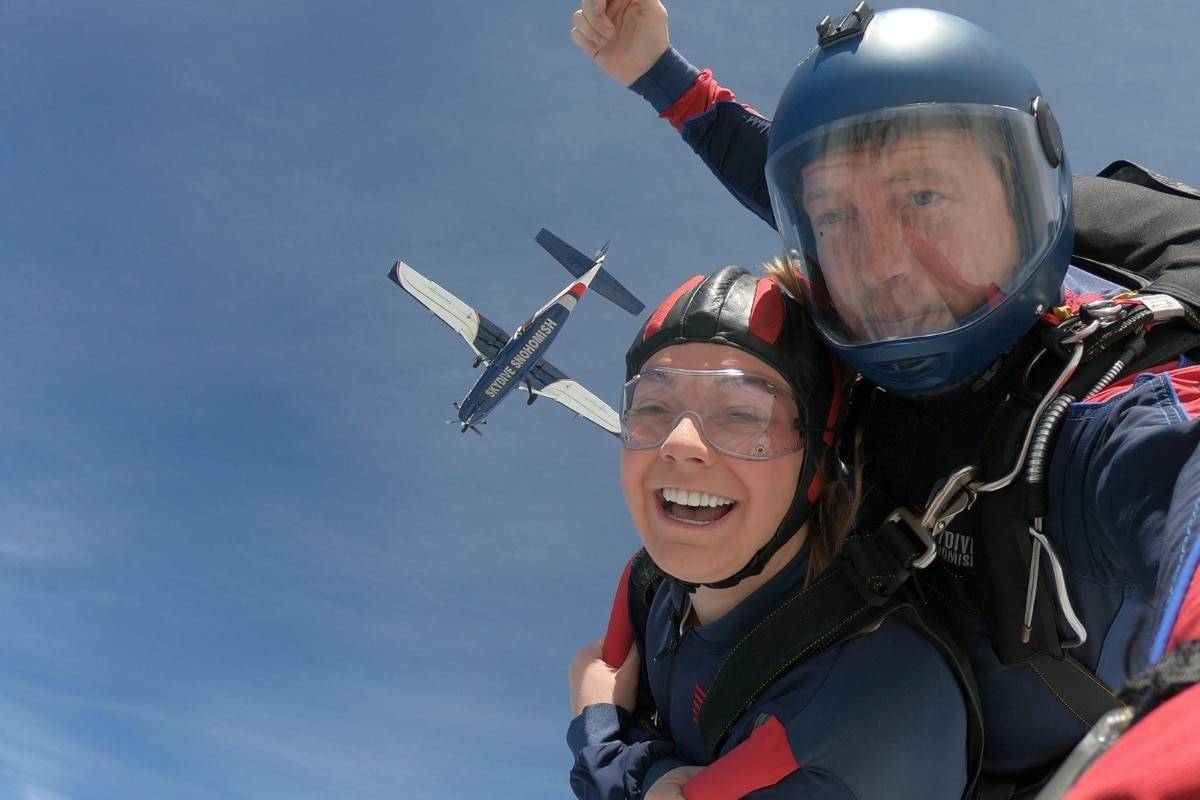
[795, 517]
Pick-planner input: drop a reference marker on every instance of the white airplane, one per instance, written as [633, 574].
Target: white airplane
[516, 360]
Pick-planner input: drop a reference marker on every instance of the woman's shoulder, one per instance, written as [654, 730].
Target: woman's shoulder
[882, 704]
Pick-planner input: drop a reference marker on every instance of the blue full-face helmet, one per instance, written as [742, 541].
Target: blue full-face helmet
[918, 180]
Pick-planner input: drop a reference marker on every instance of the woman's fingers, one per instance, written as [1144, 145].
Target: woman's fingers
[594, 11]
[584, 35]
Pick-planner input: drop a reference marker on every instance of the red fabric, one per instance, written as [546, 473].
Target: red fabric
[1187, 624]
[1157, 759]
[698, 695]
[619, 636]
[762, 760]
[1122, 386]
[700, 97]
[835, 410]
[766, 313]
[655, 323]
[1187, 388]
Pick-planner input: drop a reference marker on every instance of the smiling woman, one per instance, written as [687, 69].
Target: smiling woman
[730, 407]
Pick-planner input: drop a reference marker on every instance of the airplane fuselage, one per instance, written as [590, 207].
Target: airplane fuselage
[518, 357]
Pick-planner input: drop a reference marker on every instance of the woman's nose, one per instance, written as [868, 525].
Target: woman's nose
[686, 443]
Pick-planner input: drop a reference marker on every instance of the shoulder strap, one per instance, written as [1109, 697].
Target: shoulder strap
[863, 585]
[627, 624]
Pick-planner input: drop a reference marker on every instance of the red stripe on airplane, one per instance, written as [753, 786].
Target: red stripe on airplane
[762, 760]
[655, 323]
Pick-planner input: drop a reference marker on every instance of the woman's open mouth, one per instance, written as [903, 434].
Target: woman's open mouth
[692, 507]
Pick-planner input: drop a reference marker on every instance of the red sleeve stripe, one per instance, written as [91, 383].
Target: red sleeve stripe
[619, 636]
[700, 97]
[762, 760]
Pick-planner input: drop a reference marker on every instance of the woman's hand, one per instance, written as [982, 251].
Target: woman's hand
[670, 786]
[594, 681]
[625, 37]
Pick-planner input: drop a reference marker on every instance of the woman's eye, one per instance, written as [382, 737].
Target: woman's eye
[744, 417]
[648, 409]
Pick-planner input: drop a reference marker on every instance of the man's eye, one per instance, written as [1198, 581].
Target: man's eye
[830, 218]
[924, 197]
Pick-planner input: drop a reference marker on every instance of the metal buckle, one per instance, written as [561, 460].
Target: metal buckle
[954, 497]
[951, 499]
[918, 530]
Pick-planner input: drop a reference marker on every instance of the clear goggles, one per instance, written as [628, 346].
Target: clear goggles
[741, 414]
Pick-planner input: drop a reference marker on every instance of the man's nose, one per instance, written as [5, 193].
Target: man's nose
[884, 251]
[686, 444]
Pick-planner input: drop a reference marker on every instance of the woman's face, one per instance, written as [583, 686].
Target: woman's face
[702, 515]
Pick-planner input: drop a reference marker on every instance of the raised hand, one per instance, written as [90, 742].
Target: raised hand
[625, 37]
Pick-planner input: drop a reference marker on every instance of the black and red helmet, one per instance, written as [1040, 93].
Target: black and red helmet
[754, 314]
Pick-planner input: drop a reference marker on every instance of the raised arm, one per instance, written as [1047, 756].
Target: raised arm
[613, 759]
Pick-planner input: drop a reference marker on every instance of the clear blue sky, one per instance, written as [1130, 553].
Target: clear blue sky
[241, 556]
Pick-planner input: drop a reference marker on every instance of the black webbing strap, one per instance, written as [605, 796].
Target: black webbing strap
[1003, 547]
[1076, 687]
[1177, 671]
[844, 599]
[866, 583]
[644, 579]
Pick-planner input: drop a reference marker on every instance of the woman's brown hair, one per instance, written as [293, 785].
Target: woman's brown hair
[834, 513]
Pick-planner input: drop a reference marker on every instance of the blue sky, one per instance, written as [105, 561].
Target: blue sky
[241, 556]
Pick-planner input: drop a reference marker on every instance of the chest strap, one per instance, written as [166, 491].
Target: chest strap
[866, 583]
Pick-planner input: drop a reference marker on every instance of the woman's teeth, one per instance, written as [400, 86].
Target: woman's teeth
[695, 508]
[695, 499]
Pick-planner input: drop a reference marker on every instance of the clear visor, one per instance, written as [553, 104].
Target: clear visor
[742, 414]
[915, 220]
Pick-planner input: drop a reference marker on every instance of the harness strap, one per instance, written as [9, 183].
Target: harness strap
[1004, 549]
[865, 584]
[644, 578]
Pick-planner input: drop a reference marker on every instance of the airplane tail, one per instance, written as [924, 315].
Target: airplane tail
[577, 264]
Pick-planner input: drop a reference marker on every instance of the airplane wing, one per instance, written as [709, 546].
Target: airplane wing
[484, 336]
[577, 263]
[548, 381]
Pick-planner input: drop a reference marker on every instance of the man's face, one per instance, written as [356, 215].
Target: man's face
[912, 235]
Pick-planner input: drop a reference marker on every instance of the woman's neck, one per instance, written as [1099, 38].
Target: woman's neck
[709, 605]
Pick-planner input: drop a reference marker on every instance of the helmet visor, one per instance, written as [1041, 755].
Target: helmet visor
[741, 414]
[915, 220]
